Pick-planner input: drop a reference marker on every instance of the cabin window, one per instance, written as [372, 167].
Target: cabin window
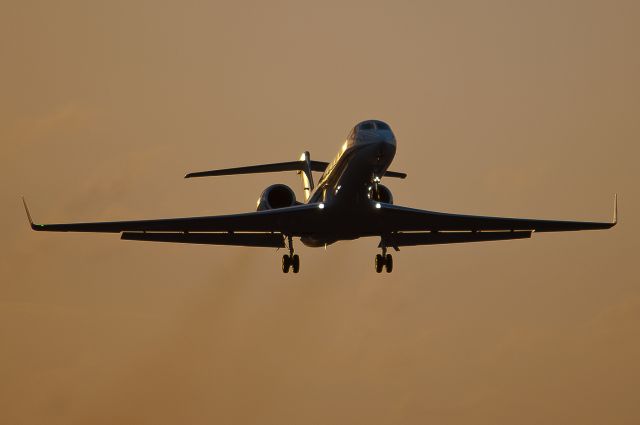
[382, 126]
[366, 126]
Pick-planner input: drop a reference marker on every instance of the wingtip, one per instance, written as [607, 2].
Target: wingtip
[26, 209]
[615, 209]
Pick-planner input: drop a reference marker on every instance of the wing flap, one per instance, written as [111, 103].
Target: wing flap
[437, 238]
[265, 240]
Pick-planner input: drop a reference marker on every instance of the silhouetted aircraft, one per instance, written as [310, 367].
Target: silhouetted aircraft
[349, 202]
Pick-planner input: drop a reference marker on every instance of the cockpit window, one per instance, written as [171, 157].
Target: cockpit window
[382, 126]
[366, 126]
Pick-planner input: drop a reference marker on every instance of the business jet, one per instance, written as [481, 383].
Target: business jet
[348, 202]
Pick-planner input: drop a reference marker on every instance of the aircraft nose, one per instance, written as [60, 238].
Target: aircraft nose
[387, 146]
[388, 138]
[378, 138]
[386, 141]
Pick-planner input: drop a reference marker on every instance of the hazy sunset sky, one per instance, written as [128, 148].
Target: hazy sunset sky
[514, 108]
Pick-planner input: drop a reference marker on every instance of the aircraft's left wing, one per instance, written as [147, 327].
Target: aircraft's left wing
[408, 226]
[292, 220]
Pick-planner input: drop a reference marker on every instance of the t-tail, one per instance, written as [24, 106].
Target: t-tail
[306, 175]
[304, 166]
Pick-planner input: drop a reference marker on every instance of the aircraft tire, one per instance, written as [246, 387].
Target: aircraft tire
[286, 263]
[388, 263]
[379, 263]
[295, 263]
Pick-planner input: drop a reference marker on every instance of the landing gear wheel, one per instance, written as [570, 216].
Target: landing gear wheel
[388, 263]
[286, 263]
[295, 263]
[290, 260]
[379, 263]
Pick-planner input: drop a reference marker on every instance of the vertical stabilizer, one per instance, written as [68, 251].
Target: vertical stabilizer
[305, 174]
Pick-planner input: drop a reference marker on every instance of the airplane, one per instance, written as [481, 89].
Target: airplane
[348, 202]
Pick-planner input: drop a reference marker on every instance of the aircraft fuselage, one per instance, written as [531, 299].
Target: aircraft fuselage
[346, 184]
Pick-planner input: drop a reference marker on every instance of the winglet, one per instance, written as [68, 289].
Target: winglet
[26, 209]
[615, 209]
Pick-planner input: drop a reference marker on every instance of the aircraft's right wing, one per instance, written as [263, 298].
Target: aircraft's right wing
[294, 220]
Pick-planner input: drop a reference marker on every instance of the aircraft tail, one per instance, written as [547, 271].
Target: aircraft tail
[306, 175]
[263, 168]
[304, 166]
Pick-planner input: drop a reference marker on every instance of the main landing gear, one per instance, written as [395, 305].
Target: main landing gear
[384, 260]
[290, 260]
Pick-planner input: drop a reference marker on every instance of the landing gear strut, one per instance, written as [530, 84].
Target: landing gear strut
[384, 260]
[290, 260]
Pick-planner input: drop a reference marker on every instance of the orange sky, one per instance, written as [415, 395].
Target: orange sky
[529, 109]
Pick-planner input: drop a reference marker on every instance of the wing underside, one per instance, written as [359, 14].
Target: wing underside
[396, 225]
[402, 226]
[410, 219]
[292, 220]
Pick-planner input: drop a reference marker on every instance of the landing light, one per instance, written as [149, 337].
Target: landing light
[378, 206]
[321, 205]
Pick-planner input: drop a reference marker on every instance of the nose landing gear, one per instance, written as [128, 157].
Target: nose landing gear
[384, 260]
[290, 260]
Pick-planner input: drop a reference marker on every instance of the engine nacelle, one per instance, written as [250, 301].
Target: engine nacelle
[276, 196]
[383, 195]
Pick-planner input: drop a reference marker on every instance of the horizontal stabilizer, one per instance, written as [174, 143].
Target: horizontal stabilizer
[265, 240]
[263, 168]
[319, 166]
[436, 238]
[395, 174]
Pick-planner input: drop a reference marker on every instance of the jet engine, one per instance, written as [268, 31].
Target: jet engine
[383, 194]
[276, 196]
